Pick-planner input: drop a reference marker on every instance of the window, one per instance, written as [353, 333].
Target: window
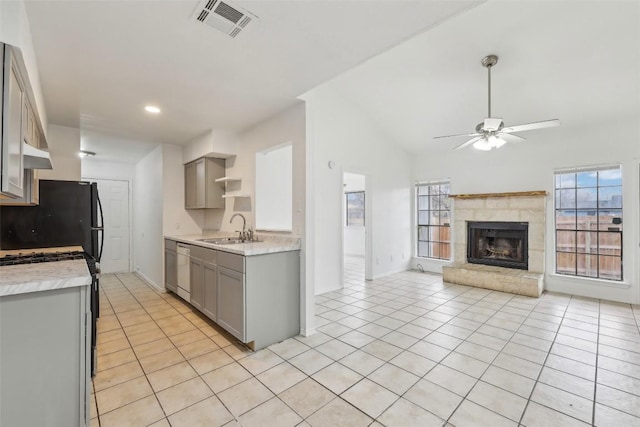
[433, 213]
[274, 188]
[355, 208]
[588, 211]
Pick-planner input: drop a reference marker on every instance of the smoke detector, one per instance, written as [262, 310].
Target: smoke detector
[223, 16]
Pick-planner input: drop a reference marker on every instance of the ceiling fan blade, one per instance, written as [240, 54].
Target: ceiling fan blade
[491, 124]
[468, 143]
[462, 134]
[510, 138]
[532, 126]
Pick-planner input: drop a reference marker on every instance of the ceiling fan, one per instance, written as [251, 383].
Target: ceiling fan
[492, 133]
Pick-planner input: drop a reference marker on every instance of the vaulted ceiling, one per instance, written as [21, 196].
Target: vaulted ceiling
[575, 61]
[412, 66]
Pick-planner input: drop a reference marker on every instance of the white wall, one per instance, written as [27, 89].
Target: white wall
[339, 132]
[288, 126]
[64, 145]
[353, 235]
[274, 189]
[99, 169]
[15, 30]
[176, 219]
[148, 243]
[213, 143]
[530, 166]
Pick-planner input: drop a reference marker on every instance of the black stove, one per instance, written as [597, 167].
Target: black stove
[35, 257]
[92, 265]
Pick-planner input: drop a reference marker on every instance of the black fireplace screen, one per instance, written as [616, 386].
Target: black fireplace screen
[503, 244]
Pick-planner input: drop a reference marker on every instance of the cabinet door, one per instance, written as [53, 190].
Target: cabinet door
[190, 179]
[200, 183]
[209, 304]
[12, 171]
[231, 302]
[197, 283]
[170, 270]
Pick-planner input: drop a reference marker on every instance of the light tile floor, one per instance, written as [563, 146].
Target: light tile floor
[404, 350]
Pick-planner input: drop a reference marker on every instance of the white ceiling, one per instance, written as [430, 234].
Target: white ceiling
[100, 62]
[572, 60]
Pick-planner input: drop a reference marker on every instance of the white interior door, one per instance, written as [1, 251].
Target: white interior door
[114, 195]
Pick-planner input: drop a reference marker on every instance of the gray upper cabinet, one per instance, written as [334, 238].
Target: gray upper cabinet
[20, 125]
[12, 106]
[201, 190]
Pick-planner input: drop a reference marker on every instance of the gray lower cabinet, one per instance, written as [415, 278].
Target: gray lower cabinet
[197, 282]
[259, 296]
[255, 298]
[210, 299]
[171, 270]
[231, 302]
[170, 266]
[203, 275]
[45, 358]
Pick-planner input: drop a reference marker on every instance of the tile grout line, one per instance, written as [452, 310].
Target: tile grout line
[136, 356]
[595, 380]
[508, 370]
[176, 347]
[186, 360]
[537, 380]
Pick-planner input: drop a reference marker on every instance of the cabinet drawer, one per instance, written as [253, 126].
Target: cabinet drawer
[231, 261]
[208, 255]
[170, 244]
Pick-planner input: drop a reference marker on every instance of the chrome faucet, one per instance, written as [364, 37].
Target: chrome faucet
[243, 233]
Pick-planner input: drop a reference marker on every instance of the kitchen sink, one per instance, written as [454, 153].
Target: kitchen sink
[226, 241]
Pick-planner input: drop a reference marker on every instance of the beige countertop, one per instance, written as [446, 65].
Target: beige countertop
[43, 276]
[269, 243]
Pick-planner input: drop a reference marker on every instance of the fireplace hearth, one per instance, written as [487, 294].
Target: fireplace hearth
[502, 244]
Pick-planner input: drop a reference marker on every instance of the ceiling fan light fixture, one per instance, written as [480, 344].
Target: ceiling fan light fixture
[491, 132]
[482, 145]
[496, 142]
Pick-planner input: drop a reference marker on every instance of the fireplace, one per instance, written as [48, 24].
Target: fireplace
[502, 244]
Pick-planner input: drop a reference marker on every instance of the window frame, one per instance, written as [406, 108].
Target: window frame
[428, 212]
[346, 207]
[579, 230]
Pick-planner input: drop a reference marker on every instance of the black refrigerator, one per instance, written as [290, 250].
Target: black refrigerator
[69, 214]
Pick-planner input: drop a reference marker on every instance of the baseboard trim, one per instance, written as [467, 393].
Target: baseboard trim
[307, 332]
[149, 281]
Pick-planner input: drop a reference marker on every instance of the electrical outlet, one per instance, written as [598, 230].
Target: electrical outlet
[377, 260]
[177, 226]
[391, 258]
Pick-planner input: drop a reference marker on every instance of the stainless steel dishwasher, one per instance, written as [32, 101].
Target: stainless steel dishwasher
[184, 276]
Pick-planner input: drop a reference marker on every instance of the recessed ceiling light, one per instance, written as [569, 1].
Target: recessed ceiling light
[85, 153]
[152, 109]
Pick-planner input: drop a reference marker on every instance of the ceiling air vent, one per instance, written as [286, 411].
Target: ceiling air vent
[224, 16]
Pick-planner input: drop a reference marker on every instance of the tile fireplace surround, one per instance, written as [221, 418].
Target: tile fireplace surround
[526, 206]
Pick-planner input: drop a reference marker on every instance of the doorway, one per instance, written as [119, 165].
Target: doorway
[354, 222]
[114, 196]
